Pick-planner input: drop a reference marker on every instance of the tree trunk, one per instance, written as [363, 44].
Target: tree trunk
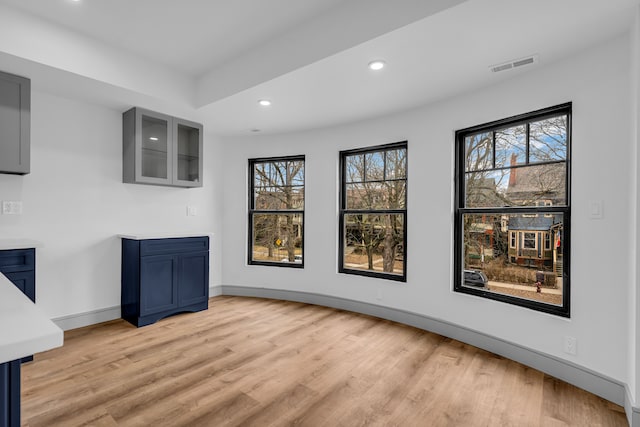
[389, 252]
[291, 250]
[273, 233]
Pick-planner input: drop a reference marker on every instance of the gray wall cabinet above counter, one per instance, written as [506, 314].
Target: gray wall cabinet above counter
[161, 150]
[15, 124]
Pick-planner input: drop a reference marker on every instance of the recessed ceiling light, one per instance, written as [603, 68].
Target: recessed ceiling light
[152, 138]
[264, 102]
[376, 65]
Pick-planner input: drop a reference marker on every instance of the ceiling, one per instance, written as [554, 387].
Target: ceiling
[191, 36]
[212, 60]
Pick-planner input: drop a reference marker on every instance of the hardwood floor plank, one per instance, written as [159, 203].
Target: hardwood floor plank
[258, 362]
[520, 397]
[282, 409]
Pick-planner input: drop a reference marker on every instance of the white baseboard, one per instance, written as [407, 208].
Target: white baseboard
[74, 321]
[632, 410]
[594, 382]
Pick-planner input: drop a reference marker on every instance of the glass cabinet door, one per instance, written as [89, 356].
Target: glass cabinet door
[155, 148]
[188, 171]
[155, 156]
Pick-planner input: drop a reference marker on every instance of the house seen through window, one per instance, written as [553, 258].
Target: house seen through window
[513, 209]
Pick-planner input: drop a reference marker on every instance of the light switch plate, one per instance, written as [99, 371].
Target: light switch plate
[192, 211]
[596, 209]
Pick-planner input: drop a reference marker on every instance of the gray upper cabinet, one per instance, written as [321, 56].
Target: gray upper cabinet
[15, 124]
[161, 150]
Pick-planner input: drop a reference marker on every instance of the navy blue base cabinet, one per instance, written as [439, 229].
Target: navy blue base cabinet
[19, 266]
[161, 277]
[10, 394]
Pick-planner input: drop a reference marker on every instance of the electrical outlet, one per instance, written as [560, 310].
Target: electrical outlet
[11, 208]
[570, 345]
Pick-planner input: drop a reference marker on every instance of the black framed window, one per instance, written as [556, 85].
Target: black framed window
[373, 211]
[513, 210]
[276, 211]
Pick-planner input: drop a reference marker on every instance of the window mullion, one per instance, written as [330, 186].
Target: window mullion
[527, 145]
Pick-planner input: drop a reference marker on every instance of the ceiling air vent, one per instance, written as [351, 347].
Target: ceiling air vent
[514, 64]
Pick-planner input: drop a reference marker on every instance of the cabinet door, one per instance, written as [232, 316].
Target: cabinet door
[187, 171]
[154, 148]
[15, 124]
[193, 277]
[10, 394]
[25, 281]
[158, 283]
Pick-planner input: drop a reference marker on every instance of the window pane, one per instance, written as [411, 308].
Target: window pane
[278, 185]
[548, 140]
[364, 196]
[511, 146]
[278, 174]
[486, 188]
[374, 166]
[503, 253]
[529, 240]
[523, 186]
[262, 175]
[279, 198]
[479, 151]
[396, 166]
[355, 168]
[296, 172]
[374, 243]
[527, 186]
[376, 195]
[395, 194]
[277, 238]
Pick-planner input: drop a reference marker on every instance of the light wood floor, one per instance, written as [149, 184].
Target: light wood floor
[256, 362]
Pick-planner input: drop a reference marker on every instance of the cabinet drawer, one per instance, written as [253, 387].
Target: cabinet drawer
[173, 246]
[17, 260]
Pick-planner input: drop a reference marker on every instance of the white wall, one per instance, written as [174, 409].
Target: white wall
[75, 203]
[597, 82]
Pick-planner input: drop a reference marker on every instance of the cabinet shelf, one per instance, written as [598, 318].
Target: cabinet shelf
[153, 150]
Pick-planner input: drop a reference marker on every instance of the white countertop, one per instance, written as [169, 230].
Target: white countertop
[25, 329]
[162, 235]
[19, 244]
